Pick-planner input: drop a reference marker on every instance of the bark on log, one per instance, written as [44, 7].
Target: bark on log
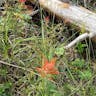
[77, 15]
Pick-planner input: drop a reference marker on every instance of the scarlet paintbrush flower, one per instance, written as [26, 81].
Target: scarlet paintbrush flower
[22, 1]
[47, 19]
[48, 68]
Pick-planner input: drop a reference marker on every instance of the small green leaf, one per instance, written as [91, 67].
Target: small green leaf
[26, 17]
[3, 72]
[59, 51]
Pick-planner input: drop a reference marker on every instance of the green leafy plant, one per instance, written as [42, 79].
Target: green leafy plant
[79, 63]
[80, 47]
[85, 75]
[47, 88]
[4, 89]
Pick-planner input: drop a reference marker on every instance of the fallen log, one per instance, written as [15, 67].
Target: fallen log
[77, 15]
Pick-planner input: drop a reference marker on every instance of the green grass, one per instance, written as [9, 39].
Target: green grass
[22, 45]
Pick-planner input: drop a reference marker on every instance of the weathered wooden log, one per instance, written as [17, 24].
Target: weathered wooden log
[77, 15]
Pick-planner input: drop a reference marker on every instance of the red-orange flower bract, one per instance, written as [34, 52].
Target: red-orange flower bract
[48, 68]
[22, 1]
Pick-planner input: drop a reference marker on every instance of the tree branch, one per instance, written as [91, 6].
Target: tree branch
[77, 15]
